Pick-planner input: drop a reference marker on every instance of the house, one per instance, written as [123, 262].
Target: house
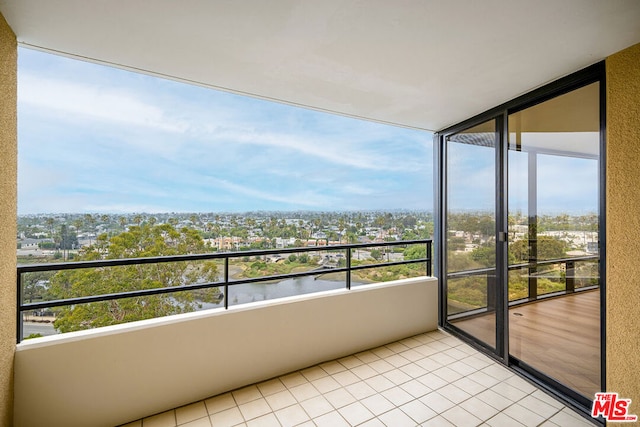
[459, 69]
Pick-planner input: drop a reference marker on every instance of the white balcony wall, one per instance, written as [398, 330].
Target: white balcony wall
[113, 375]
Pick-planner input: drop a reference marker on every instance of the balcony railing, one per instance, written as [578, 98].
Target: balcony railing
[534, 271]
[225, 283]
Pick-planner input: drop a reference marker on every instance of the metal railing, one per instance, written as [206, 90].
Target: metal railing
[532, 291]
[225, 283]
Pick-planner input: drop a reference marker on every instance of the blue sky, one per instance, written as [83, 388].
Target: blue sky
[98, 139]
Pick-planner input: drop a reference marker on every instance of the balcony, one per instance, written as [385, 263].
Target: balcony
[428, 379]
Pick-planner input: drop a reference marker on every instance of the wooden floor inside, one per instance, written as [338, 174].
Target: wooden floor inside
[559, 337]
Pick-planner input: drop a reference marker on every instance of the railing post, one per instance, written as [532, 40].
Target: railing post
[226, 283]
[429, 271]
[19, 308]
[348, 277]
[570, 276]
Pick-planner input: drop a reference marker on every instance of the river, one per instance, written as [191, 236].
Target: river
[240, 294]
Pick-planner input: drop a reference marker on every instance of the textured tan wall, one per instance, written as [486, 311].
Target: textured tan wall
[623, 224]
[8, 180]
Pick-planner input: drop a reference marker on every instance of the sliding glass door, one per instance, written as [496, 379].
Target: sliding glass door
[471, 231]
[553, 282]
[521, 235]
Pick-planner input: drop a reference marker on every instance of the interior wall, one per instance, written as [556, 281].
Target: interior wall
[623, 223]
[8, 179]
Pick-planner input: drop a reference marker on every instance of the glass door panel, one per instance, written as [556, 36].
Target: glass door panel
[471, 231]
[553, 211]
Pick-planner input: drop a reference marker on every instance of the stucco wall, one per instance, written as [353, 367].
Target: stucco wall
[8, 167]
[623, 224]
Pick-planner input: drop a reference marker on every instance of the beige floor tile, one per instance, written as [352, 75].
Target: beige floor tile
[521, 384]
[367, 356]
[350, 362]
[541, 395]
[254, 409]
[220, 403]
[303, 392]
[443, 358]
[396, 376]
[397, 360]
[415, 388]
[480, 409]
[294, 379]
[437, 402]
[397, 396]
[432, 381]
[469, 386]
[429, 364]
[345, 378]
[280, 400]
[360, 390]
[317, 406]
[496, 371]
[227, 418]
[165, 419]
[356, 413]
[271, 387]
[447, 374]
[413, 370]
[461, 368]
[382, 352]
[326, 384]
[191, 412]
[454, 394]
[201, 422]
[331, 419]
[539, 407]
[508, 391]
[381, 366]
[501, 420]
[377, 404]
[438, 421]
[379, 383]
[246, 394]
[483, 379]
[268, 420]
[494, 399]
[456, 353]
[292, 416]
[396, 418]
[459, 417]
[418, 411]
[364, 371]
[339, 398]
[374, 422]
[410, 342]
[314, 373]
[397, 347]
[133, 424]
[523, 415]
[333, 367]
[568, 418]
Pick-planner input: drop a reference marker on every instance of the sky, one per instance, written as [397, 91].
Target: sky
[96, 139]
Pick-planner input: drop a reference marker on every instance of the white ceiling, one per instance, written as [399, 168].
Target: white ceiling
[418, 63]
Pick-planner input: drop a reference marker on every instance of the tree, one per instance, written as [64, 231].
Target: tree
[548, 247]
[142, 240]
[376, 254]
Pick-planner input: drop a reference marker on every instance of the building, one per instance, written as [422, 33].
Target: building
[429, 65]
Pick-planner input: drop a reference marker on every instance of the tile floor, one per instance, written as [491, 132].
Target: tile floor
[432, 379]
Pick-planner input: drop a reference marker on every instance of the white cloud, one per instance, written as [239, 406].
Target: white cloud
[108, 104]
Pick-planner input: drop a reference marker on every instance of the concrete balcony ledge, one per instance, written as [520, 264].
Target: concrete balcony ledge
[111, 375]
